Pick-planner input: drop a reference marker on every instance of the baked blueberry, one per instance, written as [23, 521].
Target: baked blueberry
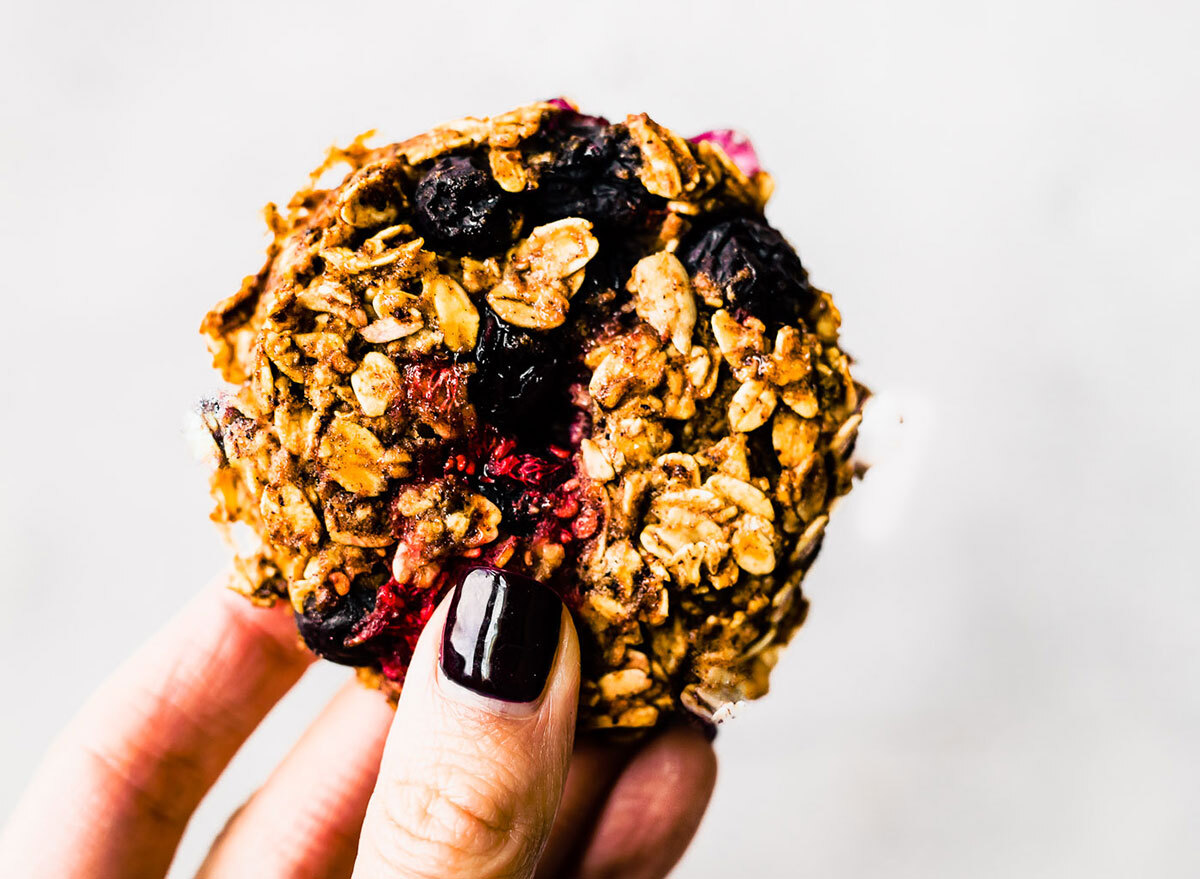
[460, 209]
[593, 175]
[329, 631]
[520, 375]
[753, 266]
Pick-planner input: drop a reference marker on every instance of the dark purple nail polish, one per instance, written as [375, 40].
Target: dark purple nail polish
[501, 634]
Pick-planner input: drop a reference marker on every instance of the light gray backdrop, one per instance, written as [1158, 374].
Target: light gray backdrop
[999, 676]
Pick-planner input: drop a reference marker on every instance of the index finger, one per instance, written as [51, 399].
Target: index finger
[117, 788]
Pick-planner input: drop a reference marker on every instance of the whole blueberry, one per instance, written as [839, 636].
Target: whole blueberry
[593, 175]
[519, 374]
[326, 631]
[460, 209]
[753, 265]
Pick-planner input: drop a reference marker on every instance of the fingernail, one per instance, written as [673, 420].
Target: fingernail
[501, 635]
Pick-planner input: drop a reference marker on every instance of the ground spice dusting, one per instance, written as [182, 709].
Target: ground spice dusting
[550, 343]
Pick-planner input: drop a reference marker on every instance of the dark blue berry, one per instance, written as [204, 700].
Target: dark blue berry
[593, 175]
[507, 495]
[460, 209]
[519, 376]
[753, 265]
[327, 629]
[603, 287]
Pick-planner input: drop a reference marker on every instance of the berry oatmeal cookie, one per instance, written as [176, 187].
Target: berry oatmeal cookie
[552, 344]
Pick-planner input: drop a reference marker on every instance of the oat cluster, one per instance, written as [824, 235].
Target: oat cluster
[550, 343]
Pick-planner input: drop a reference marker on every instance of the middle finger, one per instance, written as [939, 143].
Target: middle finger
[304, 821]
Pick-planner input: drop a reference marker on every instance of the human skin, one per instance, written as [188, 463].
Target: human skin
[448, 784]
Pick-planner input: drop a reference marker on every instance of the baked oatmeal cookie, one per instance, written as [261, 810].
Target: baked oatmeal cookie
[544, 342]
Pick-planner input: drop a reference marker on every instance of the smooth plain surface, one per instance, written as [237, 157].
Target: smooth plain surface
[1000, 674]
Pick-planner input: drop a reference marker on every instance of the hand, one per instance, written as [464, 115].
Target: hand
[468, 785]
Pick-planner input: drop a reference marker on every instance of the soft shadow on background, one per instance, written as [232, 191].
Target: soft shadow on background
[1000, 673]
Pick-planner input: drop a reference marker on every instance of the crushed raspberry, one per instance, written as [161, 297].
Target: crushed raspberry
[397, 620]
[540, 496]
[435, 393]
[532, 470]
[736, 145]
[433, 384]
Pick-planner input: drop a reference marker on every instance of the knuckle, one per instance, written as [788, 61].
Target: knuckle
[161, 797]
[452, 821]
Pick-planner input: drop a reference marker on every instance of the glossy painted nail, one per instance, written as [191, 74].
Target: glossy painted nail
[501, 634]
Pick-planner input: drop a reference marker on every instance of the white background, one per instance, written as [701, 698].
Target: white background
[1000, 674]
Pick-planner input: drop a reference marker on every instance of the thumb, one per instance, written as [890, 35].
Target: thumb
[477, 755]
